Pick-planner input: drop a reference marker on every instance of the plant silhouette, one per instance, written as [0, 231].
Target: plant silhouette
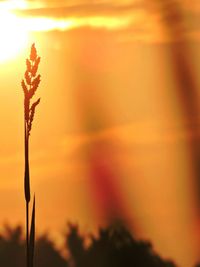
[47, 255]
[114, 247]
[12, 247]
[29, 85]
[12, 250]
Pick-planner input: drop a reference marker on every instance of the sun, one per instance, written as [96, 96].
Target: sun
[13, 35]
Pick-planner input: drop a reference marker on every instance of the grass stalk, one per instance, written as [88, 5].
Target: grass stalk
[27, 234]
[29, 85]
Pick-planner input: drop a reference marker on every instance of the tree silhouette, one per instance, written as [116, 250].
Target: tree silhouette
[12, 247]
[47, 255]
[114, 247]
[12, 250]
[75, 245]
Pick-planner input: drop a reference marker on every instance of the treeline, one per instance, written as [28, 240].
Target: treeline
[114, 247]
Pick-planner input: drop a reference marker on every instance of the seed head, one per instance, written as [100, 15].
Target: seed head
[33, 54]
[29, 85]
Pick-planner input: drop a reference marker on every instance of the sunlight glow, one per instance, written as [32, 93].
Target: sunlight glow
[48, 24]
[32, 24]
[14, 29]
[103, 22]
[13, 36]
[13, 4]
[21, 4]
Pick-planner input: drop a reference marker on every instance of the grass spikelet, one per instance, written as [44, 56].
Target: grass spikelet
[33, 54]
[32, 113]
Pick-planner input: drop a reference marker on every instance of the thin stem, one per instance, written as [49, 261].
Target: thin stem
[27, 234]
[26, 185]
[26, 155]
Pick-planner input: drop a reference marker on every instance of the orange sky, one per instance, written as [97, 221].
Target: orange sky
[108, 102]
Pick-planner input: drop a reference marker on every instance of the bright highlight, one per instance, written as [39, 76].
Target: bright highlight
[14, 30]
[33, 24]
[14, 37]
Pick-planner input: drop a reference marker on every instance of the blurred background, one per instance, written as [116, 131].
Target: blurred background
[116, 135]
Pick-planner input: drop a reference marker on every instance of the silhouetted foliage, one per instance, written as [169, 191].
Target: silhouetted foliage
[75, 245]
[114, 247]
[12, 247]
[12, 250]
[47, 255]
